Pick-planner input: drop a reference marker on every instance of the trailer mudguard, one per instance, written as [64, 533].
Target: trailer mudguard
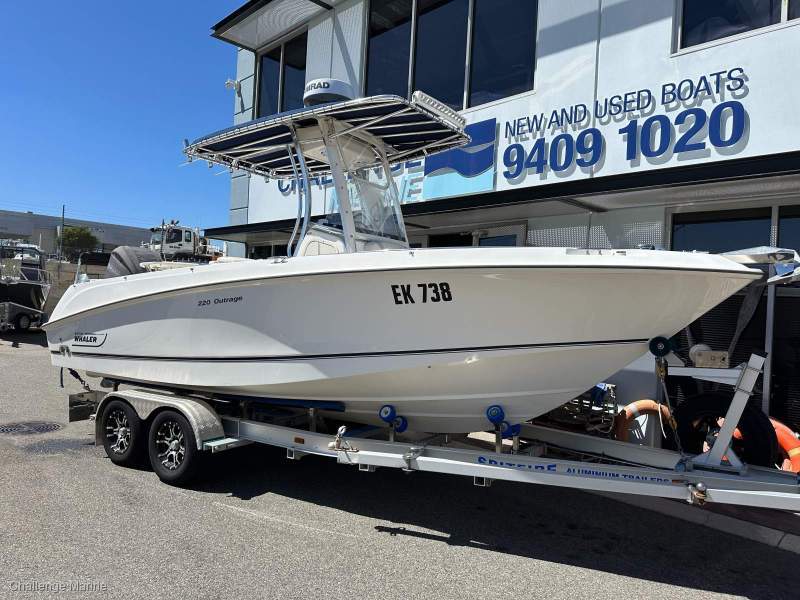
[202, 417]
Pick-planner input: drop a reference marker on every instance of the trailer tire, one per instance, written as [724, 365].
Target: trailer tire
[22, 322]
[758, 444]
[172, 447]
[123, 438]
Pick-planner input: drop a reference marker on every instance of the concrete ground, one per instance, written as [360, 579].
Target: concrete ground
[257, 526]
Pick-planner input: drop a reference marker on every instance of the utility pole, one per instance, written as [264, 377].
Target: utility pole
[61, 237]
[61, 245]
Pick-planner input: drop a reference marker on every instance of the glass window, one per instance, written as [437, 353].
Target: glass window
[498, 240]
[294, 72]
[794, 9]
[705, 20]
[187, 236]
[789, 227]
[721, 231]
[502, 49]
[173, 236]
[389, 45]
[269, 82]
[441, 51]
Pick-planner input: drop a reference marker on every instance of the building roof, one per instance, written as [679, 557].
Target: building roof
[257, 23]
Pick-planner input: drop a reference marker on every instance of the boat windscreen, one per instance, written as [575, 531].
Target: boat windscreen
[375, 205]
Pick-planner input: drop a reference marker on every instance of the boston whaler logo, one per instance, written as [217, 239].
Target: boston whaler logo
[89, 339]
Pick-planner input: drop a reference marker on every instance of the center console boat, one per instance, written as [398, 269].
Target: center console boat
[358, 319]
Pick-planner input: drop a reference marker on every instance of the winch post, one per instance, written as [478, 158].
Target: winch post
[744, 389]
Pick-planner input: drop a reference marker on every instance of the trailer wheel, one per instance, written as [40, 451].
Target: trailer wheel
[173, 448]
[122, 433]
[22, 323]
[698, 423]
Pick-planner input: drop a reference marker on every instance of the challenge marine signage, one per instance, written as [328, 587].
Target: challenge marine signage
[691, 118]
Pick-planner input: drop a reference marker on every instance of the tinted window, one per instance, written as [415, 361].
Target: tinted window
[502, 49]
[441, 50]
[705, 20]
[789, 227]
[173, 236]
[389, 46]
[498, 240]
[294, 72]
[721, 232]
[268, 82]
[449, 240]
[794, 9]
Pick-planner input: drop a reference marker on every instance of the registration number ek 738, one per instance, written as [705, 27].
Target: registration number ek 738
[409, 293]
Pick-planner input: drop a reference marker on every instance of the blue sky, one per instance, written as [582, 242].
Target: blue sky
[95, 100]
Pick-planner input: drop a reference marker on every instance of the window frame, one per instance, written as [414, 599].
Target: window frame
[279, 43]
[468, 57]
[677, 30]
[718, 215]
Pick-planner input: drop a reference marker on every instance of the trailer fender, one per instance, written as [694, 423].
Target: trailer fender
[204, 420]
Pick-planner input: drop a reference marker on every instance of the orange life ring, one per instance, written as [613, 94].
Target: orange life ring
[787, 441]
[789, 444]
[637, 409]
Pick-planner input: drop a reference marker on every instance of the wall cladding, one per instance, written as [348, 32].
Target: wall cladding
[335, 44]
[618, 229]
[242, 112]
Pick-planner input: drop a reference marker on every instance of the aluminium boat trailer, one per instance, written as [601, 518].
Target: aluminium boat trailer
[178, 427]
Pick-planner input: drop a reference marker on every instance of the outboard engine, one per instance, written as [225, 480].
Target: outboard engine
[126, 260]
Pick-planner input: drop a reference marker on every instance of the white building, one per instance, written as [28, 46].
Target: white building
[601, 123]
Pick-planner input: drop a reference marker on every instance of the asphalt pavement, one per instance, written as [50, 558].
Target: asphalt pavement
[258, 526]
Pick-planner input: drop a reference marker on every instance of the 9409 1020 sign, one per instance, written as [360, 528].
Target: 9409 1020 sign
[690, 130]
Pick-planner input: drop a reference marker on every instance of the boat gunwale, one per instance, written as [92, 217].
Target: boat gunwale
[751, 274]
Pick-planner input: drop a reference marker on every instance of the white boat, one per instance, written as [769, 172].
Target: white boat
[355, 319]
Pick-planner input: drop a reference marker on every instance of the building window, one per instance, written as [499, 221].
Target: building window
[794, 9]
[294, 72]
[269, 82]
[439, 58]
[789, 227]
[703, 21]
[500, 51]
[389, 36]
[721, 231]
[282, 77]
[498, 40]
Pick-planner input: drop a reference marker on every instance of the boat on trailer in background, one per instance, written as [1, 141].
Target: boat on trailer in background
[356, 327]
[25, 285]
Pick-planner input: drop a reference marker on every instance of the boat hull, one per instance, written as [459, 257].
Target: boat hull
[441, 342]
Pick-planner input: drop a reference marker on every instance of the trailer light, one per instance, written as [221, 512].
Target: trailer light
[299, 440]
